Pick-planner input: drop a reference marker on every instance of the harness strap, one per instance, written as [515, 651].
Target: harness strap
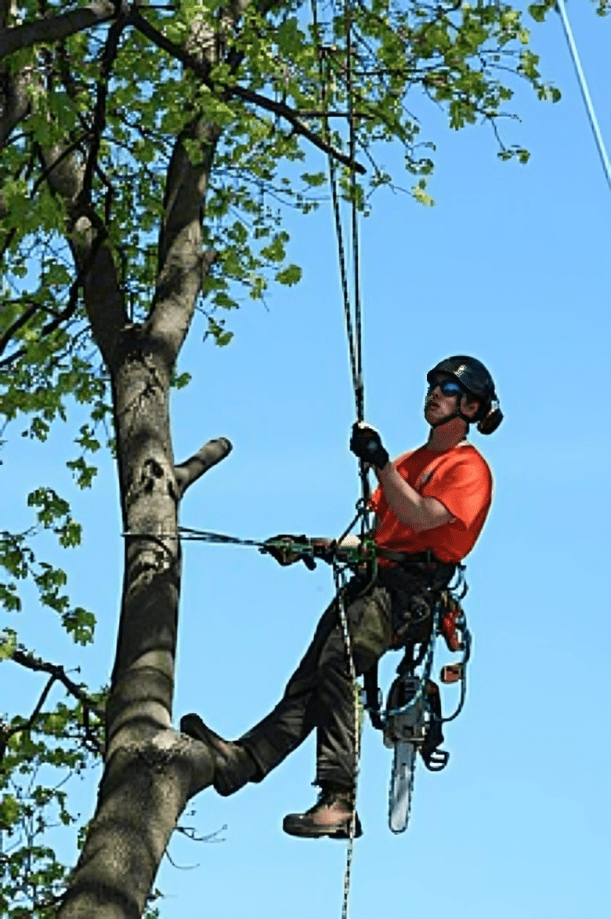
[405, 558]
[373, 698]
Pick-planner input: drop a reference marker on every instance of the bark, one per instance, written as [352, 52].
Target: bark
[142, 794]
[151, 770]
[54, 28]
[14, 105]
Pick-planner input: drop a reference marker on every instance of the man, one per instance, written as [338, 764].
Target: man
[430, 507]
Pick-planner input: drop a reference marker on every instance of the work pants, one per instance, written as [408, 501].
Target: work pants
[320, 694]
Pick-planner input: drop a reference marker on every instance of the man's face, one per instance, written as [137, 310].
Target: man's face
[437, 405]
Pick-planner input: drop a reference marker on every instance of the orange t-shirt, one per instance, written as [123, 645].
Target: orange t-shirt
[461, 479]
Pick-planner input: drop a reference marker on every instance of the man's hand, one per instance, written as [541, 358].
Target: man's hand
[287, 555]
[366, 443]
[324, 549]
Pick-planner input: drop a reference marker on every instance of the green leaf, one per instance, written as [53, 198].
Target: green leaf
[9, 812]
[420, 194]
[8, 644]
[80, 624]
[289, 275]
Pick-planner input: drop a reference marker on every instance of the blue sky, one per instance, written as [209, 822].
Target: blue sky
[512, 266]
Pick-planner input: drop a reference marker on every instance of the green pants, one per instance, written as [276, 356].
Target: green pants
[320, 693]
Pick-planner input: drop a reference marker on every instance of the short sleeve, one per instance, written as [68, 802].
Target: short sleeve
[374, 502]
[464, 488]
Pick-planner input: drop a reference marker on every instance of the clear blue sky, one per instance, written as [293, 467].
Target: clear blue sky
[512, 265]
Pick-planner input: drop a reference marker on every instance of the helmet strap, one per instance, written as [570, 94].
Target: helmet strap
[455, 414]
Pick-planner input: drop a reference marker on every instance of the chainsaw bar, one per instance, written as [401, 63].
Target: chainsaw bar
[401, 785]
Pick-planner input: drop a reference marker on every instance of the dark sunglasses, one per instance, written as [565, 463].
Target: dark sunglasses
[448, 388]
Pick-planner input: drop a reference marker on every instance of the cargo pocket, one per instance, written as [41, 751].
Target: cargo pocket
[370, 628]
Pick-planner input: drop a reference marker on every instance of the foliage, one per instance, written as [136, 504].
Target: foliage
[280, 84]
[67, 740]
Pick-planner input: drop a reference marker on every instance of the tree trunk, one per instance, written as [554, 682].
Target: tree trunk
[151, 770]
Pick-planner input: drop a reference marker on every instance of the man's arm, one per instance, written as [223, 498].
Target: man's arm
[411, 508]
[351, 541]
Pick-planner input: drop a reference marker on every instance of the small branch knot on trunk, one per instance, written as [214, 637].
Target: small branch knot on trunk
[152, 471]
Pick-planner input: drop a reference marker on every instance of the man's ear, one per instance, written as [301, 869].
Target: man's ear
[470, 409]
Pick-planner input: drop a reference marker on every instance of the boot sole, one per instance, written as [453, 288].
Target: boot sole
[310, 831]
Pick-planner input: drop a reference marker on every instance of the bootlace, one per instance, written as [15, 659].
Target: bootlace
[329, 796]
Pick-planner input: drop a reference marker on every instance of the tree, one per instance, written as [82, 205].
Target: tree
[141, 147]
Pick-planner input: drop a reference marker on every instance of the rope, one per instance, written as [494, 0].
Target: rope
[353, 327]
[584, 89]
[354, 335]
[193, 535]
[340, 584]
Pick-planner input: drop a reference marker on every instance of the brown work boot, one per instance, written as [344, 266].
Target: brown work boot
[233, 765]
[330, 816]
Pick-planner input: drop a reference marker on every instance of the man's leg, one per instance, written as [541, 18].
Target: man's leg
[319, 694]
[369, 627]
[295, 716]
[370, 630]
[251, 757]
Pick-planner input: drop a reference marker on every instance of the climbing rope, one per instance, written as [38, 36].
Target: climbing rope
[353, 320]
[354, 336]
[340, 587]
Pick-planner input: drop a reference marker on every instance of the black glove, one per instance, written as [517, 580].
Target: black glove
[325, 549]
[366, 443]
[285, 554]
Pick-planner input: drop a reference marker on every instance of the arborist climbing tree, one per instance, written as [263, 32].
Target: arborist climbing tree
[430, 507]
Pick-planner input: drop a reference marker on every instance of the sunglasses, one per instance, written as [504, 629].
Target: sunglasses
[448, 388]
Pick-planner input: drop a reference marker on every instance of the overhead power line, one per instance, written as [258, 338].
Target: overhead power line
[560, 6]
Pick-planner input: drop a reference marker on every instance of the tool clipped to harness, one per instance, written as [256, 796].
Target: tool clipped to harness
[404, 731]
[434, 758]
[412, 721]
[453, 622]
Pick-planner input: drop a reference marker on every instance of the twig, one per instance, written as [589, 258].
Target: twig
[57, 673]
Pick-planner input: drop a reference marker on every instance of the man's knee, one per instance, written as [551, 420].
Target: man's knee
[371, 629]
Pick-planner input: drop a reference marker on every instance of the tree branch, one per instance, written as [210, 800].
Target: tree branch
[182, 263]
[278, 108]
[29, 660]
[206, 457]
[57, 673]
[17, 324]
[54, 28]
[68, 311]
[285, 111]
[97, 272]
[109, 56]
[16, 104]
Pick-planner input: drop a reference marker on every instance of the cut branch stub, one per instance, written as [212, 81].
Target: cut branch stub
[206, 457]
